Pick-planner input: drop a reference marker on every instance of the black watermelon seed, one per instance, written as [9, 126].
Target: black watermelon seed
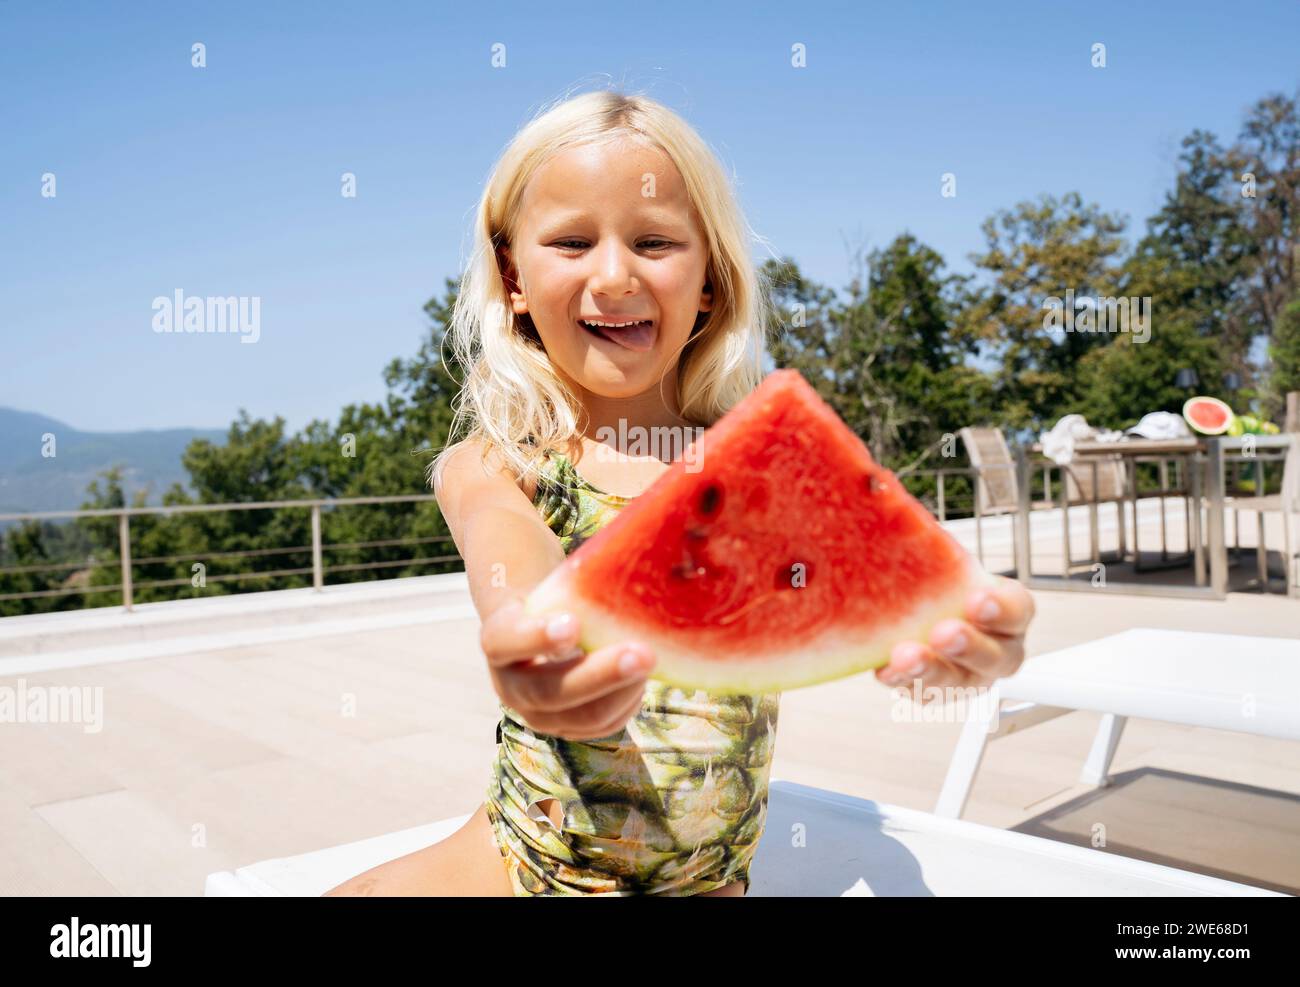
[785, 576]
[711, 500]
[873, 482]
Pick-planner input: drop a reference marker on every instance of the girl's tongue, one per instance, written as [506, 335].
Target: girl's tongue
[639, 337]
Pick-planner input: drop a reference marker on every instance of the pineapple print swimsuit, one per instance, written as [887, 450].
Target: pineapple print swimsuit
[672, 804]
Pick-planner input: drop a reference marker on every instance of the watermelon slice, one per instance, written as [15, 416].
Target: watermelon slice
[1209, 416]
[775, 555]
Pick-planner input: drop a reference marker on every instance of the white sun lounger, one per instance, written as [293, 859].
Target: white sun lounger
[1222, 681]
[819, 843]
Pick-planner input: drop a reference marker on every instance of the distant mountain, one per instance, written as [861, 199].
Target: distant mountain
[150, 460]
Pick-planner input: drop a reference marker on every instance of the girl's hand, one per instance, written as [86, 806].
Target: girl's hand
[988, 645]
[543, 677]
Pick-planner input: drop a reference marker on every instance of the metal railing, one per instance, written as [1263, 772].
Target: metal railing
[317, 548]
[941, 505]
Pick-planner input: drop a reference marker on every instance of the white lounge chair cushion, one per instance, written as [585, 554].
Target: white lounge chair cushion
[819, 843]
[1224, 681]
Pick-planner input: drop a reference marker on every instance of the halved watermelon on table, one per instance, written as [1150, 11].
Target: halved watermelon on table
[1207, 415]
[777, 555]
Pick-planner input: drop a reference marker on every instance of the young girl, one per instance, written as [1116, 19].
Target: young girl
[611, 290]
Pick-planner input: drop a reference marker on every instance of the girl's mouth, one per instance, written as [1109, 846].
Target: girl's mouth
[638, 336]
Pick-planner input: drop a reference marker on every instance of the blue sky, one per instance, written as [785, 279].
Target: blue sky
[225, 180]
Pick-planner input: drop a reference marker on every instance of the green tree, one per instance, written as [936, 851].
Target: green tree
[914, 356]
[25, 551]
[1269, 149]
[1284, 357]
[1199, 246]
[886, 357]
[1037, 251]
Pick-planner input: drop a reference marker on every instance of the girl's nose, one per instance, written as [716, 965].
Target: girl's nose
[613, 271]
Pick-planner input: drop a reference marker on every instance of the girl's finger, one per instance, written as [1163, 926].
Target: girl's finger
[927, 670]
[910, 661]
[552, 687]
[1005, 609]
[984, 656]
[509, 636]
[600, 718]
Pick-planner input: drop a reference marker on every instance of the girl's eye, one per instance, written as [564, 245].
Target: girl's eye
[655, 244]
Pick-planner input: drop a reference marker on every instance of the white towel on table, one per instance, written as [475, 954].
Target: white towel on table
[1058, 444]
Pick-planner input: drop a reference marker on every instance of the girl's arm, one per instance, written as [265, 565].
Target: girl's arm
[508, 550]
[507, 547]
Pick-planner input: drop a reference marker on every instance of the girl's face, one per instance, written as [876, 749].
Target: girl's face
[607, 233]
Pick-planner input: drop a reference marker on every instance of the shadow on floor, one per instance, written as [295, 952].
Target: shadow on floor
[1219, 828]
[1176, 570]
[852, 855]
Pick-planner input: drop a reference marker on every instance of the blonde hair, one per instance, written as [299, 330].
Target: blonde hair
[512, 400]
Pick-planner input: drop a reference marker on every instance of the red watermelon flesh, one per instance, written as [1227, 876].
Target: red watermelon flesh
[775, 554]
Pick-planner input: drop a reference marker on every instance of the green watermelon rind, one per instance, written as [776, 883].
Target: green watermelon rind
[838, 653]
[1190, 403]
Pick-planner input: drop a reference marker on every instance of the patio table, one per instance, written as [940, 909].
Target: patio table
[1205, 457]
